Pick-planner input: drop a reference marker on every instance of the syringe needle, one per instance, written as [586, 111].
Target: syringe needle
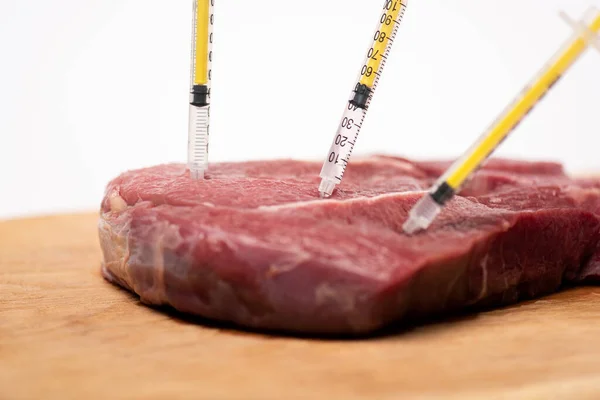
[355, 111]
[199, 112]
[429, 206]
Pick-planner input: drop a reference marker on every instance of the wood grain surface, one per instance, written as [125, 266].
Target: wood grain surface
[66, 333]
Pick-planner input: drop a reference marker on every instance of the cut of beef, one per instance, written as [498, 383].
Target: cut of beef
[254, 245]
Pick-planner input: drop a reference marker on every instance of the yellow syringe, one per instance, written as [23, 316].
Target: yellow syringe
[450, 183]
[199, 113]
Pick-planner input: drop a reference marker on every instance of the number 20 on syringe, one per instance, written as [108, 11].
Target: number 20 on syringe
[361, 96]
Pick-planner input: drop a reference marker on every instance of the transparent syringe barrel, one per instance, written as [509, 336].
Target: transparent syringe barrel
[360, 98]
[198, 140]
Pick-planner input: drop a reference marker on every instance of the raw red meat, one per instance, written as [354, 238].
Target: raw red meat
[254, 245]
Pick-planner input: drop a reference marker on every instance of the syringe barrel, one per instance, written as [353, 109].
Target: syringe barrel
[362, 93]
[202, 41]
[380, 47]
[198, 138]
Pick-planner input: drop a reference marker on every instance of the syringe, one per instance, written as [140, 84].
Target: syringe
[199, 113]
[345, 138]
[450, 183]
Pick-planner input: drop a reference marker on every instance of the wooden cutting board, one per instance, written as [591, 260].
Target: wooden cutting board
[66, 333]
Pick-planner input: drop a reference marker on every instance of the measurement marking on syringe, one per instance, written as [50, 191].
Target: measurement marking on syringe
[360, 98]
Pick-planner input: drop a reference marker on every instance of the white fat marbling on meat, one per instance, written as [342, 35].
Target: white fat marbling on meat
[158, 283]
[320, 202]
[169, 239]
[288, 264]
[291, 256]
[484, 276]
[117, 203]
[325, 293]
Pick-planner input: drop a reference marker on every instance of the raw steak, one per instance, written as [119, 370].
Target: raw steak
[254, 245]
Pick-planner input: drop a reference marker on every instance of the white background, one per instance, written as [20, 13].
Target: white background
[90, 88]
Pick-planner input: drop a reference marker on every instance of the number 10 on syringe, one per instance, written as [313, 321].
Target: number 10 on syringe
[360, 98]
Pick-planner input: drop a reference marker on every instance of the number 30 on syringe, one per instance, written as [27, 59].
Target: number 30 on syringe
[340, 140]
